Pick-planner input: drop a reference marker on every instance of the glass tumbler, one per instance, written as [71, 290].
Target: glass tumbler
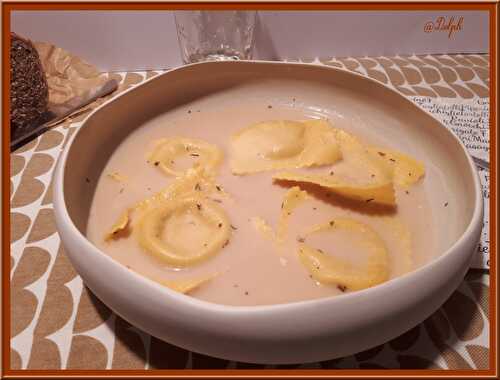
[215, 35]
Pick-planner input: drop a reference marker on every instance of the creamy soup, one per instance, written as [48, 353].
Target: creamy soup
[252, 268]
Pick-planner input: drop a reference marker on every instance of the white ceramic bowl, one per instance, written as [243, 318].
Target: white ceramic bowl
[288, 333]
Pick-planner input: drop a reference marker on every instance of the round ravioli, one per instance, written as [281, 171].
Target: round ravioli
[328, 269]
[184, 231]
[175, 155]
[282, 144]
[180, 224]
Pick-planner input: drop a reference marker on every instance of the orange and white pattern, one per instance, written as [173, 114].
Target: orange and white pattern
[56, 322]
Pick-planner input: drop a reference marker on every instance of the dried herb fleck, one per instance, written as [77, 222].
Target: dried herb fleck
[342, 288]
[301, 239]
[87, 180]
[382, 154]
[332, 223]
[269, 106]
[233, 227]
[220, 225]
[194, 155]
[369, 200]
[446, 204]
[198, 206]
[157, 163]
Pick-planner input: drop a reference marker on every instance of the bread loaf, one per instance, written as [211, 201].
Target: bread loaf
[29, 94]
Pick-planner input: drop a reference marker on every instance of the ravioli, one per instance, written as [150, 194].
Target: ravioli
[168, 150]
[195, 181]
[381, 193]
[187, 285]
[293, 197]
[382, 164]
[406, 170]
[327, 269]
[381, 170]
[184, 224]
[283, 144]
[197, 227]
[361, 160]
[120, 225]
[212, 220]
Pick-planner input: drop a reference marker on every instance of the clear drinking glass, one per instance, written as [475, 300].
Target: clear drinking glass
[215, 35]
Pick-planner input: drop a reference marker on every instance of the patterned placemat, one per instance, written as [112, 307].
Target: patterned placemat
[56, 322]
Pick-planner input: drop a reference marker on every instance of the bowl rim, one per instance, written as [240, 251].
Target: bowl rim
[63, 218]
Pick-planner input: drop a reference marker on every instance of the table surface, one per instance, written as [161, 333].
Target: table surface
[56, 322]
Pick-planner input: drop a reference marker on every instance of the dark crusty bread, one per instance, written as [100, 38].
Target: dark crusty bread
[29, 94]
